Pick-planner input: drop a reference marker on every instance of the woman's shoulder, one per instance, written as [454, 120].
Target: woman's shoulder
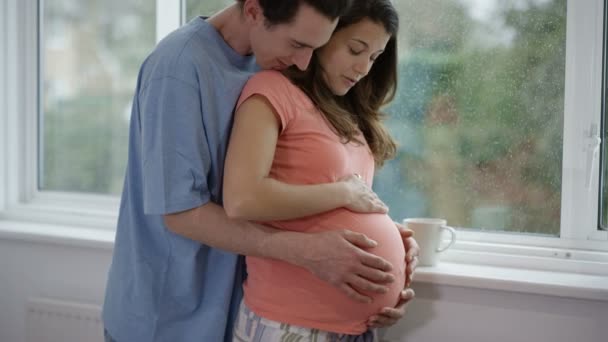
[270, 78]
[273, 82]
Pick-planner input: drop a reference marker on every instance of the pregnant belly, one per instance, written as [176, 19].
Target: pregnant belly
[382, 229]
[290, 294]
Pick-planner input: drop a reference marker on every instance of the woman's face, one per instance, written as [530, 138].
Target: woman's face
[350, 54]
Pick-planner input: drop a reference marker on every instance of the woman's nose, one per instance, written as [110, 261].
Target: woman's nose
[361, 69]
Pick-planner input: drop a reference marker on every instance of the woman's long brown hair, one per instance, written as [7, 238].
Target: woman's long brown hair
[360, 108]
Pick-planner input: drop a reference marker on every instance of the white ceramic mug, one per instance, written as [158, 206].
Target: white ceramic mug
[428, 234]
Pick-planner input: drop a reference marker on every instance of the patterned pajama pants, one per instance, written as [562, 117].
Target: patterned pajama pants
[250, 327]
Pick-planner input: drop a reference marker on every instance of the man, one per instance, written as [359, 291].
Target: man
[176, 274]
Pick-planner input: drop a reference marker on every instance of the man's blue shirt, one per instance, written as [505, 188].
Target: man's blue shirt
[162, 286]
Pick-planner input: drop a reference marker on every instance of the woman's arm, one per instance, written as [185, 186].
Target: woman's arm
[249, 192]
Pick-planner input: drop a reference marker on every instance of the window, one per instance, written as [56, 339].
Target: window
[594, 134]
[90, 55]
[196, 8]
[498, 106]
[479, 114]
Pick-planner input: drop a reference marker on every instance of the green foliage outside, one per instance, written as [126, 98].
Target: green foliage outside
[480, 125]
[85, 134]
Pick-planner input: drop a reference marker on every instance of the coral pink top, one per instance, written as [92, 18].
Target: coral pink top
[309, 152]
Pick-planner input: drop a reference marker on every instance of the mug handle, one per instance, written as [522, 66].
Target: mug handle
[452, 240]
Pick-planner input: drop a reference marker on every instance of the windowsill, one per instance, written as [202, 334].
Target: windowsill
[57, 234]
[541, 282]
[548, 283]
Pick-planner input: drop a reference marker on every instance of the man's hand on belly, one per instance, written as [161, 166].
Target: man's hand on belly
[338, 257]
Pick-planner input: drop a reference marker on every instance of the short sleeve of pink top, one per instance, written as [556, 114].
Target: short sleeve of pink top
[308, 151]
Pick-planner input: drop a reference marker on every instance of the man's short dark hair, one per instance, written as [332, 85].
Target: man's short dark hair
[284, 11]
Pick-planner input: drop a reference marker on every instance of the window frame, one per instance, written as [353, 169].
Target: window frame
[20, 199]
[582, 110]
[4, 48]
[577, 249]
[21, 69]
[604, 124]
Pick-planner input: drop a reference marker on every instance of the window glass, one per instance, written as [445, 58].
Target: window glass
[479, 114]
[91, 51]
[207, 8]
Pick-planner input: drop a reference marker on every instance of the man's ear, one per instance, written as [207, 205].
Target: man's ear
[252, 11]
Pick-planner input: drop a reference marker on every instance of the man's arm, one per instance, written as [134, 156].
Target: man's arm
[334, 256]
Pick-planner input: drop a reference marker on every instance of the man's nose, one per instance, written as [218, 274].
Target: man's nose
[301, 59]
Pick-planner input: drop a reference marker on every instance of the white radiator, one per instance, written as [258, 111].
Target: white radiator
[51, 320]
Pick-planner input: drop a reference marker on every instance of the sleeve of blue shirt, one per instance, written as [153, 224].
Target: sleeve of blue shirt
[175, 153]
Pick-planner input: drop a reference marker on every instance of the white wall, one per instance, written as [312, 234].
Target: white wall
[447, 313]
[35, 270]
[439, 313]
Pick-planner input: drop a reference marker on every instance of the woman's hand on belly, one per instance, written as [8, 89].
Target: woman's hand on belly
[412, 251]
[390, 315]
[360, 197]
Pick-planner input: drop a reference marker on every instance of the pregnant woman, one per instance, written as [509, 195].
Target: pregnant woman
[301, 157]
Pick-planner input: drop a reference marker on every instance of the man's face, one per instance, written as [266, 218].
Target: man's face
[283, 45]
